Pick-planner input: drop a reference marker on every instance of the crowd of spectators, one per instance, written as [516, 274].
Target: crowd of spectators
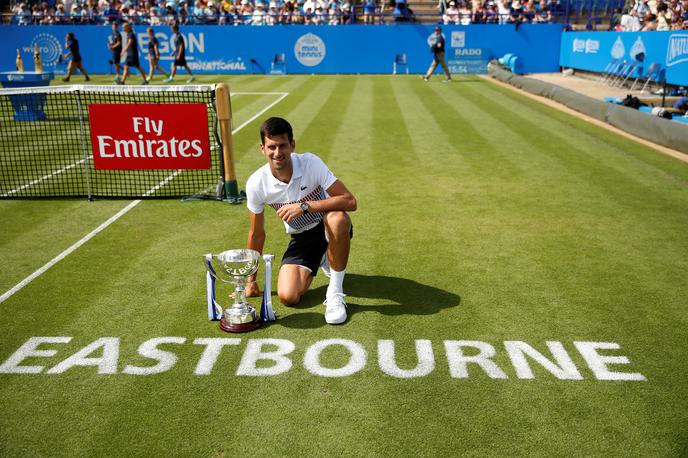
[495, 11]
[635, 15]
[195, 12]
[646, 15]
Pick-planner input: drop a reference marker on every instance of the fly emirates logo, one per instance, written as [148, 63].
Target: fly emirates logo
[150, 136]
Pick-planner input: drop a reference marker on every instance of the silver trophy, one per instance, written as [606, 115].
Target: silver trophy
[233, 266]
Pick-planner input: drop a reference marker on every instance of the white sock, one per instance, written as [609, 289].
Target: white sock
[336, 282]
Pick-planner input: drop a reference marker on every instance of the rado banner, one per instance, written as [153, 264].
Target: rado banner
[150, 136]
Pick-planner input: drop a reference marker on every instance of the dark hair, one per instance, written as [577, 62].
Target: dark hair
[273, 127]
[175, 28]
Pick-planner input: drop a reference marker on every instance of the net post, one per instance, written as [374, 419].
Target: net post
[230, 189]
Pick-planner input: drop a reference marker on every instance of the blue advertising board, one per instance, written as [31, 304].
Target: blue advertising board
[593, 51]
[347, 49]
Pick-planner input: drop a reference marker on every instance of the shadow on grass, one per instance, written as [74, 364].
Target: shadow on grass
[401, 296]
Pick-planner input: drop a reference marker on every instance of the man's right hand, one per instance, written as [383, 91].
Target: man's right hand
[252, 290]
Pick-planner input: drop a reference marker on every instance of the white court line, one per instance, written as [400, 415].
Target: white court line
[114, 218]
[44, 177]
[74, 164]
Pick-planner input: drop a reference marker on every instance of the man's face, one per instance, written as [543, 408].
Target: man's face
[277, 150]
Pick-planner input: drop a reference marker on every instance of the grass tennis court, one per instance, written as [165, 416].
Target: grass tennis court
[485, 220]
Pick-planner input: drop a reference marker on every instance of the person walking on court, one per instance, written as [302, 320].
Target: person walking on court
[153, 55]
[179, 55]
[72, 44]
[115, 46]
[437, 47]
[130, 53]
[313, 205]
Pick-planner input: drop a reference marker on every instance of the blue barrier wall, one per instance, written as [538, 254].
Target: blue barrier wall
[308, 49]
[593, 51]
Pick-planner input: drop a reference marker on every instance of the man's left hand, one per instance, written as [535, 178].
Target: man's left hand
[290, 212]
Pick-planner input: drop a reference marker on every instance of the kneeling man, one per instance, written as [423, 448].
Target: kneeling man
[313, 204]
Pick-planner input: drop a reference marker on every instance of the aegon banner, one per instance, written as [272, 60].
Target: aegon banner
[307, 49]
[149, 136]
[593, 51]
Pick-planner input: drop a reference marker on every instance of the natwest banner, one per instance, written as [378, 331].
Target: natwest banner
[150, 136]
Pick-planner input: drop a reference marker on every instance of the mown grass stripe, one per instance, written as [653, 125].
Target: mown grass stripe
[387, 119]
[469, 142]
[319, 135]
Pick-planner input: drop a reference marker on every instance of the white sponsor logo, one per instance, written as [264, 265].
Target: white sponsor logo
[638, 49]
[578, 45]
[592, 46]
[310, 50]
[146, 147]
[15, 77]
[193, 42]
[49, 47]
[473, 52]
[458, 39]
[677, 50]
[618, 50]
[333, 358]
[215, 65]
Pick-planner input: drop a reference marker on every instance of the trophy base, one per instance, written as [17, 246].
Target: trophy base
[239, 327]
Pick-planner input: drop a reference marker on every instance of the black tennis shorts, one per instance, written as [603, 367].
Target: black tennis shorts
[181, 62]
[307, 248]
[132, 61]
[116, 55]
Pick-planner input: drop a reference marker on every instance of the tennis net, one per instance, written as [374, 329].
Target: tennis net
[48, 135]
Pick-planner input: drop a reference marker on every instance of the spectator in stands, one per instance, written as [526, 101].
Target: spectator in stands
[258, 17]
[72, 45]
[465, 14]
[491, 16]
[333, 15]
[197, 13]
[479, 14]
[650, 22]
[285, 12]
[369, 7]
[630, 22]
[246, 12]
[543, 15]
[504, 11]
[442, 6]
[663, 17]
[182, 14]
[437, 47]
[451, 14]
[346, 12]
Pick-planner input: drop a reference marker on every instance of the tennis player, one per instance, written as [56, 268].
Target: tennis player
[115, 46]
[313, 205]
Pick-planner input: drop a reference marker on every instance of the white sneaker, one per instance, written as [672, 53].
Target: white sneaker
[169, 80]
[325, 265]
[192, 79]
[335, 309]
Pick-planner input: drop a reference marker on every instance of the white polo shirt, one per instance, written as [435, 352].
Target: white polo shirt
[309, 180]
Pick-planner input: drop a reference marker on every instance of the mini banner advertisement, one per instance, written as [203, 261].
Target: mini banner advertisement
[149, 136]
[594, 51]
[307, 49]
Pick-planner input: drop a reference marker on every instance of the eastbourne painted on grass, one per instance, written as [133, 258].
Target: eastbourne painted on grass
[271, 357]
